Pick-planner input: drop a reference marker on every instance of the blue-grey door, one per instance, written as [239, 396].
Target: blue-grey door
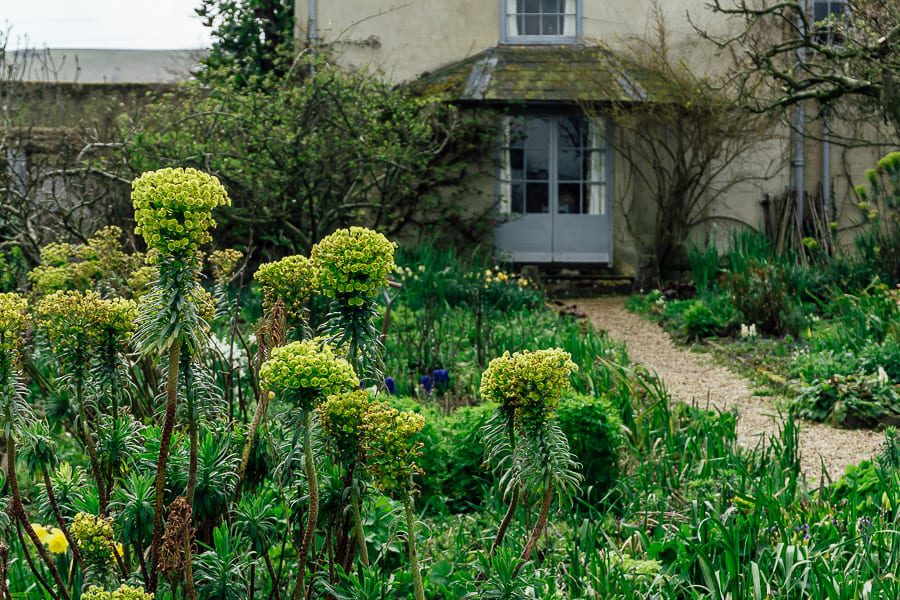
[554, 193]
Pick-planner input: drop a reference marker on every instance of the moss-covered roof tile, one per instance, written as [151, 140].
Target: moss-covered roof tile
[534, 73]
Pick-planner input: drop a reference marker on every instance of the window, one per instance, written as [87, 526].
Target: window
[541, 21]
[17, 170]
[826, 13]
[553, 163]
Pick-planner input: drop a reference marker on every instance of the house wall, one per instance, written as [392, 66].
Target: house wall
[413, 37]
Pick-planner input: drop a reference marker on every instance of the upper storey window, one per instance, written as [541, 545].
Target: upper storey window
[828, 16]
[541, 21]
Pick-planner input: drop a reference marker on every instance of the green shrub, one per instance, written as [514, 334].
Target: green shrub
[851, 400]
[594, 430]
[762, 294]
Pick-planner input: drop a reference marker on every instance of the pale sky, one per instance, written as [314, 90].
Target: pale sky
[150, 24]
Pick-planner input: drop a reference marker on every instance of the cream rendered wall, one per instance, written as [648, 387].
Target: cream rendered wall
[406, 38]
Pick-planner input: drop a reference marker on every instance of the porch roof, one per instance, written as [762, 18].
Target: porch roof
[506, 74]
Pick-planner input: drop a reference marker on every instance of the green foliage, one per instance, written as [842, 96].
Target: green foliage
[596, 437]
[369, 153]
[94, 536]
[220, 572]
[251, 38]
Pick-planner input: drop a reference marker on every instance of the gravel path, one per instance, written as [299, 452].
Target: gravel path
[695, 379]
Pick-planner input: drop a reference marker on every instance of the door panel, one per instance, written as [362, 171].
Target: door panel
[554, 189]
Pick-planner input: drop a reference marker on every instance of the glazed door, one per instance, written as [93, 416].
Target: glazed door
[554, 194]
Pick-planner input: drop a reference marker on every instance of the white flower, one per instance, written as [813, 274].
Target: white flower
[882, 376]
[661, 301]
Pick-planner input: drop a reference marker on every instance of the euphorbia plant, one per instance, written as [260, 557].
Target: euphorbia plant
[342, 417]
[16, 419]
[88, 334]
[173, 210]
[353, 265]
[391, 452]
[523, 439]
[288, 285]
[303, 375]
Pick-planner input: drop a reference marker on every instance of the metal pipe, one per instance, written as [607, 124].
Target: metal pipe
[826, 165]
[312, 32]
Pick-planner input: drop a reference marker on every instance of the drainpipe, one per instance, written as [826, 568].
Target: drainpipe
[826, 165]
[312, 29]
[797, 162]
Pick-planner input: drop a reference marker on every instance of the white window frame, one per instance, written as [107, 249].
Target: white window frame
[509, 36]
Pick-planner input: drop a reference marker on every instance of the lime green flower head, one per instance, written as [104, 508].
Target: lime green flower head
[173, 208]
[94, 536]
[389, 444]
[341, 416]
[77, 321]
[223, 264]
[528, 384]
[353, 264]
[124, 592]
[293, 279]
[12, 321]
[306, 373]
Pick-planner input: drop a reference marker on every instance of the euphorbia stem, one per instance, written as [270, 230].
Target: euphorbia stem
[89, 443]
[164, 443]
[57, 514]
[539, 527]
[418, 587]
[192, 475]
[313, 513]
[514, 501]
[358, 526]
[262, 406]
[19, 512]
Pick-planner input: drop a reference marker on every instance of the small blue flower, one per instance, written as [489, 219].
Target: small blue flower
[427, 383]
[440, 376]
[391, 385]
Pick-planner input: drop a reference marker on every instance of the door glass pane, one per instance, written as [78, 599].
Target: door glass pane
[537, 130]
[536, 164]
[537, 198]
[569, 165]
[517, 193]
[572, 132]
[569, 198]
[517, 163]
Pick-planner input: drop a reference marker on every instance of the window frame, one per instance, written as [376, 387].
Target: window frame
[825, 34]
[506, 38]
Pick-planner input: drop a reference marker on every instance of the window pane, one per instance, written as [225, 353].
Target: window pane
[536, 164]
[838, 8]
[595, 166]
[570, 198]
[517, 193]
[552, 6]
[569, 26]
[551, 24]
[569, 165]
[516, 163]
[537, 198]
[821, 11]
[517, 133]
[531, 25]
[530, 6]
[595, 198]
